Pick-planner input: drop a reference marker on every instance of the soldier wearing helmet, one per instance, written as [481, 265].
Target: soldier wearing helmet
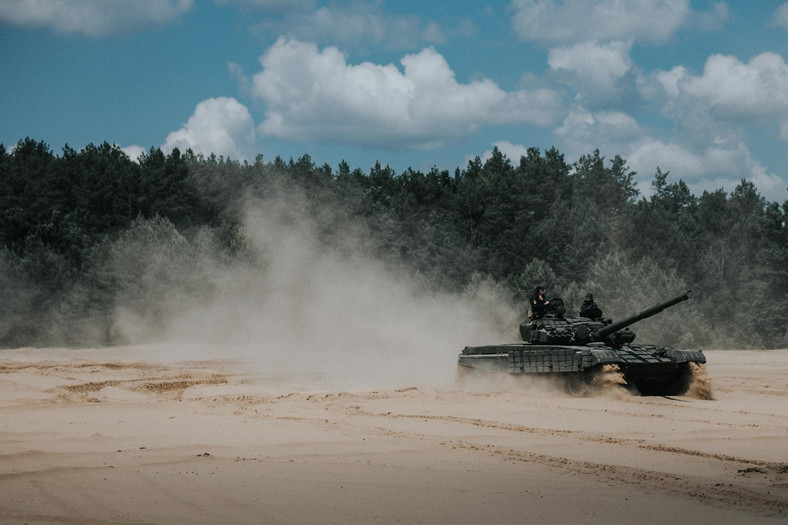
[589, 308]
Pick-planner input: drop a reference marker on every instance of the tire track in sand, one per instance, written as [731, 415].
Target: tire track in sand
[771, 501]
[725, 495]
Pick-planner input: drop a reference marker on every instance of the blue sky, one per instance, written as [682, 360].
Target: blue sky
[696, 88]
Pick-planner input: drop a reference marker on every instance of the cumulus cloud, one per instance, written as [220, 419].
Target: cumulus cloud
[669, 80]
[93, 17]
[713, 20]
[708, 165]
[134, 152]
[590, 42]
[598, 68]
[512, 151]
[583, 131]
[357, 25]
[757, 90]
[780, 17]
[711, 112]
[559, 22]
[222, 126]
[316, 95]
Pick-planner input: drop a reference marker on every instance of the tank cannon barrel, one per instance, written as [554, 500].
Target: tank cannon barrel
[654, 310]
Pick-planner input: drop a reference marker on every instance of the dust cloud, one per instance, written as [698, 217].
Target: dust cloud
[326, 313]
[700, 383]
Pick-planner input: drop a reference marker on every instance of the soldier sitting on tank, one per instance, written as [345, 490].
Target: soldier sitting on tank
[538, 303]
[589, 308]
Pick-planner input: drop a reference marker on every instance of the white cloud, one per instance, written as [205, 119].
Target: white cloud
[703, 166]
[236, 71]
[222, 126]
[648, 154]
[133, 152]
[433, 34]
[93, 17]
[780, 17]
[669, 80]
[598, 67]
[512, 151]
[357, 25]
[272, 5]
[559, 22]
[714, 20]
[610, 131]
[712, 112]
[316, 95]
[732, 89]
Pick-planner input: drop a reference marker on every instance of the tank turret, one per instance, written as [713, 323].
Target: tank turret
[556, 328]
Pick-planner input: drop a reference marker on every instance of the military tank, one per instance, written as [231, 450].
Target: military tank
[580, 349]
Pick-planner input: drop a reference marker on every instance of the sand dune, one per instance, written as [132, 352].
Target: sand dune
[118, 435]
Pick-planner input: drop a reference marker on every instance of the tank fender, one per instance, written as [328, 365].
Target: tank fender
[601, 356]
[684, 356]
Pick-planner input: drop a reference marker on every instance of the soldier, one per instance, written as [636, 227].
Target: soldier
[589, 308]
[538, 303]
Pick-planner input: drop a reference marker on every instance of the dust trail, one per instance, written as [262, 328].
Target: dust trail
[700, 382]
[328, 313]
[482, 382]
[610, 382]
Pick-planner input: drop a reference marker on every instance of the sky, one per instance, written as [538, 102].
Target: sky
[695, 88]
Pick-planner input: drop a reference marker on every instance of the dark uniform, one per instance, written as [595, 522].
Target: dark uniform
[589, 308]
[538, 304]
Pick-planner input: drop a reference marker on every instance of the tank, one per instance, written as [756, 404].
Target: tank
[579, 350]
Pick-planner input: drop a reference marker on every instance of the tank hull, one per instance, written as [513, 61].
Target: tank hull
[651, 370]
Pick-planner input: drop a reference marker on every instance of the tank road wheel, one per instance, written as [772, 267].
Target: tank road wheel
[576, 384]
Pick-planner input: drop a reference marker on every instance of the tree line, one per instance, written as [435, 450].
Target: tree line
[84, 233]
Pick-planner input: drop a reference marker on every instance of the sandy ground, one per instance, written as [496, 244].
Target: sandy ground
[110, 436]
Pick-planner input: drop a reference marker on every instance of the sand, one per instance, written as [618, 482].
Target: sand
[118, 436]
